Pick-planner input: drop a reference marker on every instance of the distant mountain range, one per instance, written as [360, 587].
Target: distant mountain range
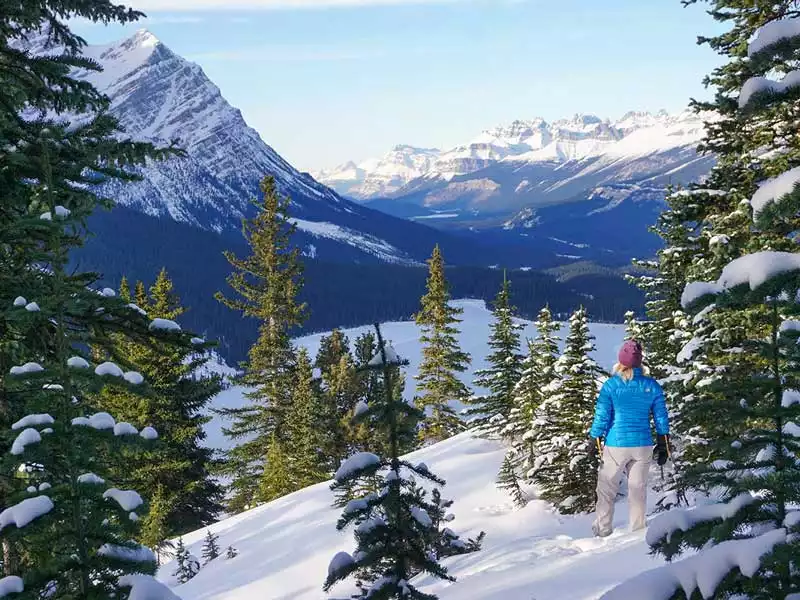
[510, 176]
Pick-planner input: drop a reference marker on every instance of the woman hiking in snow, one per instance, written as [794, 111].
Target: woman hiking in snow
[621, 432]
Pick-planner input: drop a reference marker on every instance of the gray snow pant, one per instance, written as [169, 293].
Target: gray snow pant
[636, 461]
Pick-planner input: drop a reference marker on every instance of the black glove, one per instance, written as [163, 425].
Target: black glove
[661, 453]
[595, 447]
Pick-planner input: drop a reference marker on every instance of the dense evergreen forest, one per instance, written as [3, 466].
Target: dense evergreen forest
[338, 294]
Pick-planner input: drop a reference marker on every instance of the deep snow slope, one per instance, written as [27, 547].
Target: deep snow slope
[528, 554]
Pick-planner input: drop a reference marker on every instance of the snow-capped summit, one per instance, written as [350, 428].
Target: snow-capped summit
[161, 97]
[536, 162]
[379, 176]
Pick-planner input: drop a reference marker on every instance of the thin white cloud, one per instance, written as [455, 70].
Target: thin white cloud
[202, 5]
[284, 54]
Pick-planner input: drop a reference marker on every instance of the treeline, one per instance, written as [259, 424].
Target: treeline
[339, 294]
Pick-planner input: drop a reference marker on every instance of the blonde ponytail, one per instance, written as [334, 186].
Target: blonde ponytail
[625, 372]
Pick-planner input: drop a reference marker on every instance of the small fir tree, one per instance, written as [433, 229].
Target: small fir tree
[186, 565]
[393, 526]
[210, 547]
[438, 385]
[536, 382]
[492, 410]
[508, 480]
[231, 552]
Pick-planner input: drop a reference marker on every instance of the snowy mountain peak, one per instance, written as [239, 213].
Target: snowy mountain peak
[143, 38]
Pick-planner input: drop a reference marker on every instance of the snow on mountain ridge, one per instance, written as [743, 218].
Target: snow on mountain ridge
[527, 141]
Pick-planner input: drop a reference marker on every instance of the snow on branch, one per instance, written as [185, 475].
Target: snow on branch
[125, 429]
[753, 269]
[91, 479]
[135, 554]
[33, 420]
[25, 438]
[28, 367]
[357, 462]
[145, 587]
[703, 571]
[790, 398]
[11, 585]
[665, 524]
[774, 189]
[773, 33]
[26, 511]
[108, 368]
[128, 500]
[760, 85]
[164, 325]
[77, 362]
[99, 421]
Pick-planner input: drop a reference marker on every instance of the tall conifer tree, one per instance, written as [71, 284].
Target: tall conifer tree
[266, 283]
[178, 472]
[565, 470]
[77, 542]
[492, 410]
[438, 385]
[744, 355]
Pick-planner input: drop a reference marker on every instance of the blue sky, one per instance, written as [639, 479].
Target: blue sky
[324, 84]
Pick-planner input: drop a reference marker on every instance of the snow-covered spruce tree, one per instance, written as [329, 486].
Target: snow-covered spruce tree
[210, 547]
[44, 87]
[522, 429]
[231, 552]
[490, 411]
[438, 385]
[567, 472]
[392, 526]
[751, 455]
[178, 472]
[444, 541]
[186, 565]
[266, 283]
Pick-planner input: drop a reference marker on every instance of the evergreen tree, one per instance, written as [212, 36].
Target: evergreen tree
[747, 339]
[533, 388]
[492, 410]
[306, 436]
[231, 552]
[178, 472]
[210, 547]
[565, 471]
[186, 565]
[340, 393]
[442, 359]
[393, 526]
[444, 542]
[508, 480]
[276, 481]
[77, 543]
[266, 284]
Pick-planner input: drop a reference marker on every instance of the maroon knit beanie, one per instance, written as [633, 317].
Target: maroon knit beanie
[630, 355]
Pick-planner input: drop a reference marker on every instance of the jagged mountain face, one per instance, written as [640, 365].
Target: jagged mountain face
[377, 177]
[159, 96]
[510, 171]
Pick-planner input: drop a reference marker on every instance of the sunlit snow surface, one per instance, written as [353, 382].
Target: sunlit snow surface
[529, 554]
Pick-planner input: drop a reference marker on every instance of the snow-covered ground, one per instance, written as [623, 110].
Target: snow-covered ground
[284, 547]
[404, 336]
[528, 554]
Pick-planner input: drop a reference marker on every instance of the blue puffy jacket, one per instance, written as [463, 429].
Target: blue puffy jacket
[622, 413]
